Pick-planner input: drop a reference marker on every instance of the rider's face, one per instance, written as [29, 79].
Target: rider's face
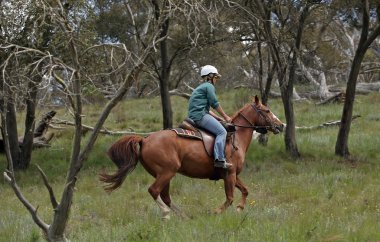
[215, 78]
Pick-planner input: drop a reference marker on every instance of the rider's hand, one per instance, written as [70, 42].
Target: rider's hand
[228, 119]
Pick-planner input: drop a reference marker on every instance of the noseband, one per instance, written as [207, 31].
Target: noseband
[259, 128]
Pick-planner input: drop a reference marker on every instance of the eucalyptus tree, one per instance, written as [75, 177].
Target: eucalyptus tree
[70, 66]
[370, 30]
[22, 68]
[195, 34]
[282, 25]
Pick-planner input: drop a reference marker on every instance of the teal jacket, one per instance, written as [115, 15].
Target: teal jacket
[202, 98]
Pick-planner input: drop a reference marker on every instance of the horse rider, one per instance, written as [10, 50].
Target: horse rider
[202, 98]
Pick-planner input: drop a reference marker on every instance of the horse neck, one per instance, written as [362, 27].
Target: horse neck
[244, 135]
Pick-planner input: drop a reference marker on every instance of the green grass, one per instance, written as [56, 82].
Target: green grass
[320, 197]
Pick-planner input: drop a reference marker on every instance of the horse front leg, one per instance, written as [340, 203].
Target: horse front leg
[229, 185]
[244, 193]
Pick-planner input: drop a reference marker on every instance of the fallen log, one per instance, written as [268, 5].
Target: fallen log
[41, 137]
[370, 87]
[86, 128]
[337, 98]
[43, 125]
[324, 125]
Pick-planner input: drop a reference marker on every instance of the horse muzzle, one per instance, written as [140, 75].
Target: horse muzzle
[278, 128]
[261, 130]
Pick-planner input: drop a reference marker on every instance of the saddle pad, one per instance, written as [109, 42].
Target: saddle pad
[207, 139]
[188, 133]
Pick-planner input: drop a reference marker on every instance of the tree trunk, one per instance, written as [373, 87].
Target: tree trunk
[56, 230]
[263, 138]
[164, 75]
[271, 70]
[268, 83]
[287, 100]
[11, 126]
[260, 70]
[341, 146]
[290, 131]
[167, 114]
[27, 144]
[287, 89]
[9, 112]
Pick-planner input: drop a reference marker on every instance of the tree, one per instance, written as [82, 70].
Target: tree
[265, 12]
[74, 64]
[164, 74]
[21, 72]
[366, 39]
[281, 25]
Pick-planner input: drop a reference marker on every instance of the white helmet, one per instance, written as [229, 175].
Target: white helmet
[208, 69]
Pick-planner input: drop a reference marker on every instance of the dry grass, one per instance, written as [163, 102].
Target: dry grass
[317, 198]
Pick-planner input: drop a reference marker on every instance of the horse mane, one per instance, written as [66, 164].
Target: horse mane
[237, 113]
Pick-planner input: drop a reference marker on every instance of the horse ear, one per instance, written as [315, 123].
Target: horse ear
[257, 101]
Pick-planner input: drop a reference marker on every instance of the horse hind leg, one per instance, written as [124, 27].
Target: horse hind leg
[156, 188]
[244, 194]
[165, 210]
[165, 195]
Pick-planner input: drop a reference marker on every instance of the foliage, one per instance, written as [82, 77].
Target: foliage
[319, 197]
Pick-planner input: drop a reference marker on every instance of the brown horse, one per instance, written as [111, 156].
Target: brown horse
[163, 154]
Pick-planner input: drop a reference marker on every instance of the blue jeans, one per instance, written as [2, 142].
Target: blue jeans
[212, 125]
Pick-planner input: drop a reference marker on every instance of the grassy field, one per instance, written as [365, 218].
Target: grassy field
[320, 197]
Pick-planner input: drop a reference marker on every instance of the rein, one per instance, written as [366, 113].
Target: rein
[251, 126]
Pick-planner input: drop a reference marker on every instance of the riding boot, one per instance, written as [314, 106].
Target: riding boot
[222, 164]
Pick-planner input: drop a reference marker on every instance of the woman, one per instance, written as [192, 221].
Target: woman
[202, 98]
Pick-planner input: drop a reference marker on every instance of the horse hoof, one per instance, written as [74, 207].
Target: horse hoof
[185, 217]
[166, 217]
[218, 211]
[239, 209]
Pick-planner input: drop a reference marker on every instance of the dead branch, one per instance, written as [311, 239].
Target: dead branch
[324, 125]
[102, 131]
[53, 200]
[44, 123]
[41, 137]
[338, 98]
[188, 86]
[33, 211]
[177, 92]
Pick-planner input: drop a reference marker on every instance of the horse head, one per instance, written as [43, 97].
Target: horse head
[261, 118]
[266, 118]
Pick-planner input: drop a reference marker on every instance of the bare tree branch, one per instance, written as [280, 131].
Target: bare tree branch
[33, 211]
[53, 200]
[177, 92]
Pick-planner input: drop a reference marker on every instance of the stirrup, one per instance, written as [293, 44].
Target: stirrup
[222, 164]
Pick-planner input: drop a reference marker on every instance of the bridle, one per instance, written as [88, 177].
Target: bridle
[259, 128]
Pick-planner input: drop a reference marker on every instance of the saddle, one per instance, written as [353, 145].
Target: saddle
[188, 129]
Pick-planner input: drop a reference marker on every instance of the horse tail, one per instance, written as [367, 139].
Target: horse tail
[125, 154]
